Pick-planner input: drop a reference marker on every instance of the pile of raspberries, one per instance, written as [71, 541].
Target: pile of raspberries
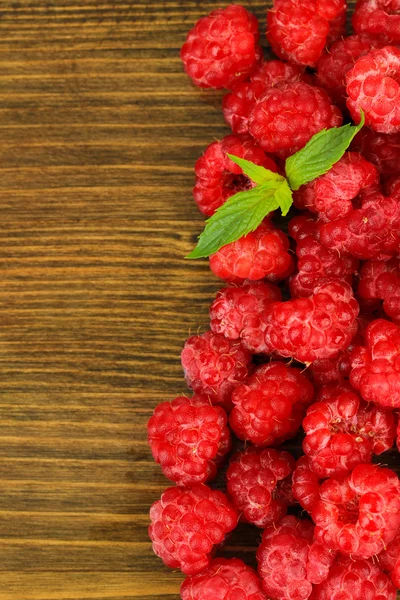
[304, 338]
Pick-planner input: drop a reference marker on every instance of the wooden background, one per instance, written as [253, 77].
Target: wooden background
[99, 130]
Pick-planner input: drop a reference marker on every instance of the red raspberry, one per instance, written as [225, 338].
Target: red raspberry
[380, 149]
[253, 478]
[343, 432]
[236, 310]
[376, 366]
[331, 195]
[373, 86]
[316, 264]
[268, 408]
[222, 48]
[238, 104]
[299, 30]
[224, 579]
[351, 579]
[389, 560]
[378, 18]
[305, 484]
[338, 60]
[214, 366]
[372, 231]
[218, 178]
[289, 562]
[380, 280]
[360, 514]
[186, 524]
[286, 117]
[189, 437]
[312, 328]
[261, 253]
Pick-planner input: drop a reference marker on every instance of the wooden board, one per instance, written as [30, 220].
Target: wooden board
[99, 130]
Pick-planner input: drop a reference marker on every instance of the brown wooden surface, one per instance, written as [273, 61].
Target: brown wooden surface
[99, 130]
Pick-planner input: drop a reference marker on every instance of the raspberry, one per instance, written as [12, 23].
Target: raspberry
[189, 437]
[376, 366]
[218, 178]
[380, 280]
[360, 514]
[224, 579]
[389, 560]
[238, 104]
[289, 562]
[373, 86]
[343, 432]
[338, 60]
[299, 30]
[305, 484]
[261, 253]
[351, 579]
[378, 18]
[369, 232]
[380, 149]
[286, 117]
[316, 264]
[186, 524]
[268, 408]
[312, 328]
[253, 478]
[222, 48]
[214, 366]
[330, 196]
[235, 310]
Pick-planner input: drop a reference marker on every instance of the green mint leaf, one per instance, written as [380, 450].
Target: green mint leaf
[284, 197]
[241, 214]
[320, 154]
[254, 172]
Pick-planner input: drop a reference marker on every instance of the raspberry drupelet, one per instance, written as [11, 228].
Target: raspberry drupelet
[214, 366]
[222, 48]
[305, 484]
[269, 406]
[376, 366]
[253, 481]
[380, 280]
[389, 560]
[186, 524]
[224, 579]
[218, 178]
[373, 85]
[342, 431]
[358, 515]
[189, 437]
[261, 253]
[378, 18]
[382, 150]
[299, 30]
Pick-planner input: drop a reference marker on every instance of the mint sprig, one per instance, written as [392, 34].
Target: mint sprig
[243, 212]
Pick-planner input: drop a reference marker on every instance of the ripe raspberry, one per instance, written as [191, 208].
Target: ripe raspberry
[380, 149]
[224, 579]
[331, 195]
[351, 579]
[305, 484]
[268, 408]
[189, 437]
[299, 30]
[186, 524]
[235, 310]
[289, 562]
[222, 48]
[312, 328]
[261, 253]
[253, 478]
[389, 560]
[378, 18]
[373, 86]
[376, 366]
[360, 514]
[214, 366]
[380, 280]
[238, 104]
[286, 117]
[218, 178]
[338, 60]
[369, 232]
[343, 432]
[316, 264]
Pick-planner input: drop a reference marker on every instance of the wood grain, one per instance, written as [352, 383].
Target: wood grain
[99, 130]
